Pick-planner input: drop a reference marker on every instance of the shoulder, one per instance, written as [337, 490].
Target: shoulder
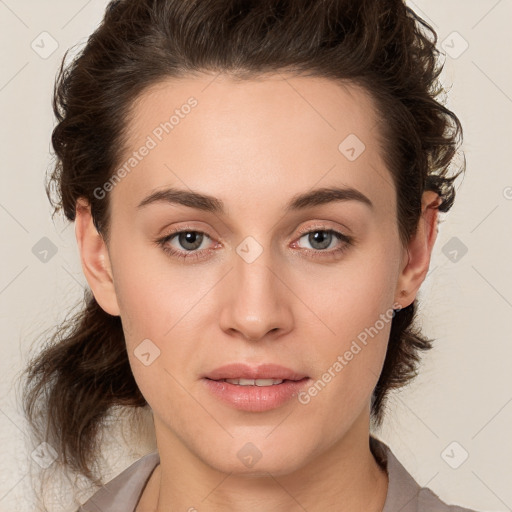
[404, 493]
[124, 491]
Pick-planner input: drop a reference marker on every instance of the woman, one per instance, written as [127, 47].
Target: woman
[256, 189]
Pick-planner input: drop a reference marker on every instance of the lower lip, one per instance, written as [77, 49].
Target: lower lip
[256, 398]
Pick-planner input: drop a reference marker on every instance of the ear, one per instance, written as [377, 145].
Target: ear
[417, 254]
[95, 259]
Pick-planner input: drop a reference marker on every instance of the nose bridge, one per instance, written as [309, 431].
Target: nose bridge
[256, 301]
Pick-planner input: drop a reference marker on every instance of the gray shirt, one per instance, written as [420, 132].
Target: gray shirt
[404, 494]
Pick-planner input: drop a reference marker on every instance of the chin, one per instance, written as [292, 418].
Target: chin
[275, 466]
[258, 459]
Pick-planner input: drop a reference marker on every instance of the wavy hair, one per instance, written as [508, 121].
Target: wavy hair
[381, 45]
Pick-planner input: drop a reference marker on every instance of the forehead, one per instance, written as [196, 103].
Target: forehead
[276, 132]
[265, 104]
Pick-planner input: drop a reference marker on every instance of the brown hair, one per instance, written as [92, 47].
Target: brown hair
[380, 45]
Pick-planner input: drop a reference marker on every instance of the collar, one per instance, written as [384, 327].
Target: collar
[403, 494]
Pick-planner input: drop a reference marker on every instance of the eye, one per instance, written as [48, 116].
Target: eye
[189, 240]
[321, 239]
[187, 244]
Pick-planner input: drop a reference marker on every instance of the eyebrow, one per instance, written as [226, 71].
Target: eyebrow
[207, 203]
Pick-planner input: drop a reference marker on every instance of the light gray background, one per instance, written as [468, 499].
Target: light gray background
[464, 391]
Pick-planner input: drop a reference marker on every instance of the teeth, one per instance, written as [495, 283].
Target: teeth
[254, 382]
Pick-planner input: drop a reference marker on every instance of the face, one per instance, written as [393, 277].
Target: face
[254, 275]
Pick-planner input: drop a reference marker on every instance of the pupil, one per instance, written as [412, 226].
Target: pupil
[320, 237]
[188, 237]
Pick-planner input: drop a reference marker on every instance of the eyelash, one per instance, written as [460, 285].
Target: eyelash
[196, 254]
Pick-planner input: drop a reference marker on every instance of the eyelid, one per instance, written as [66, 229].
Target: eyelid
[324, 227]
[185, 228]
[320, 226]
[345, 239]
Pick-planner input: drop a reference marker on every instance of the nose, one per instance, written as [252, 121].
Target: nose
[257, 304]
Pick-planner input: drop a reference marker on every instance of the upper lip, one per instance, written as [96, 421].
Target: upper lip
[246, 371]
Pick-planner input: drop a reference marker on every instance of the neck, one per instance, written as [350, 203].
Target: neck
[345, 478]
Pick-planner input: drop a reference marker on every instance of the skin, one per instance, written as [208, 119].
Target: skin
[254, 145]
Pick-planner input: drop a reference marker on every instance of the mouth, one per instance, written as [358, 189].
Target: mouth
[254, 389]
[243, 374]
[256, 382]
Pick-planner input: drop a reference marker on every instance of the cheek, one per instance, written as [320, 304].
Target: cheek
[153, 292]
[355, 304]
[351, 295]
[340, 304]
[167, 304]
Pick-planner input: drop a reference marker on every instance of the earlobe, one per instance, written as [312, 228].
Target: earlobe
[418, 252]
[95, 259]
